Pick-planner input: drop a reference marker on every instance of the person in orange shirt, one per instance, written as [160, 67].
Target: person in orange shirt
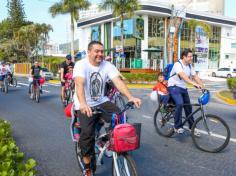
[161, 88]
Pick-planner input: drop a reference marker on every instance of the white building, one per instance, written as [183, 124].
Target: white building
[105, 28]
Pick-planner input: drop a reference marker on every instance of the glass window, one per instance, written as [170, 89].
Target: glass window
[96, 33]
[233, 45]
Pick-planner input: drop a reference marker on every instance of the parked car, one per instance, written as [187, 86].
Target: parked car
[226, 72]
[47, 74]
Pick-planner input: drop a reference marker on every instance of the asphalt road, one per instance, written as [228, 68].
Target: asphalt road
[42, 132]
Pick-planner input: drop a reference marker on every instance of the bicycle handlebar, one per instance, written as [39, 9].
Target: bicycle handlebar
[98, 110]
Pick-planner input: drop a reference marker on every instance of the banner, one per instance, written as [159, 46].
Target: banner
[201, 49]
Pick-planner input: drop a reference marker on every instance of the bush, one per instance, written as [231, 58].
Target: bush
[140, 77]
[231, 83]
[12, 162]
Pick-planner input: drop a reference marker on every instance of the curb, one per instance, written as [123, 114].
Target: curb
[226, 100]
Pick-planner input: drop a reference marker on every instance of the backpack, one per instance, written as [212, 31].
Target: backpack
[168, 68]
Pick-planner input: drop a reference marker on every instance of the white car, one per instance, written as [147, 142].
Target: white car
[225, 72]
[47, 74]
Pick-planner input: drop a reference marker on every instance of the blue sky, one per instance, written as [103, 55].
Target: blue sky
[37, 11]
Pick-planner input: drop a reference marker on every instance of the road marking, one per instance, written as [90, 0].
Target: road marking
[46, 91]
[147, 117]
[23, 84]
[56, 85]
[204, 132]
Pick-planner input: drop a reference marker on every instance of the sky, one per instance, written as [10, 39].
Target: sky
[37, 11]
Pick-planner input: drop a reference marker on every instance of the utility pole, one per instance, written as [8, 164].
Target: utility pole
[170, 42]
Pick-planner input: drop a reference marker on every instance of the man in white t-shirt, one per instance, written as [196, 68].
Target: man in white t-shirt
[90, 76]
[4, 69]
[181, 74]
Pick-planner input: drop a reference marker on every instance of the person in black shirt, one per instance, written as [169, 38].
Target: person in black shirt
[64, 69]
[35, 73]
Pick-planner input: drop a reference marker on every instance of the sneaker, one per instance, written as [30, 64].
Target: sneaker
[179, 130]
[87, 172]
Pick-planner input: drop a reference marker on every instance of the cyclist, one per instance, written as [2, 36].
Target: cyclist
[35, 73]
[64, 69]
[181, 74]
[4, 70]
[90, 76]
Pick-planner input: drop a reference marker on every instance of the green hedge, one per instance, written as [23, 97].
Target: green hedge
[12, 162]
[140, 77]
[231, 83]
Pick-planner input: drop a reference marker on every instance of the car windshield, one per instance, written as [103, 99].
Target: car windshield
[234, 70]
[45, 69]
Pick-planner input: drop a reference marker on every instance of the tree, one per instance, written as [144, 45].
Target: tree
[16, 13]
[121, 9]
[28, 38]
[192, 24]
[72, 7]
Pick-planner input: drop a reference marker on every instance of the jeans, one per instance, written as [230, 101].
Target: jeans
[180, 97]
[164, 99]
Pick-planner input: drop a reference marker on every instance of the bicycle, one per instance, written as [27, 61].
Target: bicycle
[69, 91]
[11, 80]
[122, 162]
[4, 87]
[213, 130]
[35, 89]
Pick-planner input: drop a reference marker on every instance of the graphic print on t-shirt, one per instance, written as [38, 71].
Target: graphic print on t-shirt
[96, 86]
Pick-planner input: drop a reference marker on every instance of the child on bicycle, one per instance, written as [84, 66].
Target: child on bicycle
[161, 88]
[69, 75]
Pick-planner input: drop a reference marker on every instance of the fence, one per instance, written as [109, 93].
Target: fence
[24, 68]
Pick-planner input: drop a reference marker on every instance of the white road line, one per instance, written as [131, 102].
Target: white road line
[23, 84]
[56, 85]
[46, 91]
[147, 117]
[204, 132]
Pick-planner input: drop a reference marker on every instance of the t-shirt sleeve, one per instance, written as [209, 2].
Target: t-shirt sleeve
[79, 70]
[112, 71]
[178, 68]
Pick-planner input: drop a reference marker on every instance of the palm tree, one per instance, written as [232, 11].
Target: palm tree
[72, 7]
[192, 24]
[121, 9]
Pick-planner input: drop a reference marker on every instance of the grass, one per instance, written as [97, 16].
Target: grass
[226, 94]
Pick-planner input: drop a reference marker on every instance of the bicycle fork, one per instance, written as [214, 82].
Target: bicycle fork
[204, 120]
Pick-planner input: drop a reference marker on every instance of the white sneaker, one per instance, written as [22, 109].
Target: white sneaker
[179, 130]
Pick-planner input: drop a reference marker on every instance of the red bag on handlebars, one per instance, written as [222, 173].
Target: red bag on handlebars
[124, 138]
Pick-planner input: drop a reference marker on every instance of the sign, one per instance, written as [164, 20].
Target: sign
[201, 49]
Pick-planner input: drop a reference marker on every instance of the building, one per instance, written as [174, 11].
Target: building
[149, 29]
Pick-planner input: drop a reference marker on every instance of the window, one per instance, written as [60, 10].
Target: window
[227, 69]
[233, 45]
[226, 56]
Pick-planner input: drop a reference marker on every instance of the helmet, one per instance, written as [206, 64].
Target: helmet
[68, 57]
[67, 110]
[204, 98]
[41, 81]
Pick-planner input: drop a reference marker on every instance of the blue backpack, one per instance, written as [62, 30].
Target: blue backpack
[168, 69]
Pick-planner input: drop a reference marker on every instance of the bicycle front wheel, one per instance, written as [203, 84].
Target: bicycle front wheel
[213, 133]
[37, 94]
[14, 82]
[123, 165]
[79, 157]
[164, 122]
[5, 85]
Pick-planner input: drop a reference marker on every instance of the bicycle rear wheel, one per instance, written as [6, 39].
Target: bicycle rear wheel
[124, 164]
[164, 122]
[6, 85]
[214, 133]
[14, 82]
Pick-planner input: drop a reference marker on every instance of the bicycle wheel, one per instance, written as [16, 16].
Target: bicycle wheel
[5, 85]
[214, 133]
[14, 82]
[164, 121]
[79, 157]
[68, 96]
[120, 102]
[124, 164]
[37, 94]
